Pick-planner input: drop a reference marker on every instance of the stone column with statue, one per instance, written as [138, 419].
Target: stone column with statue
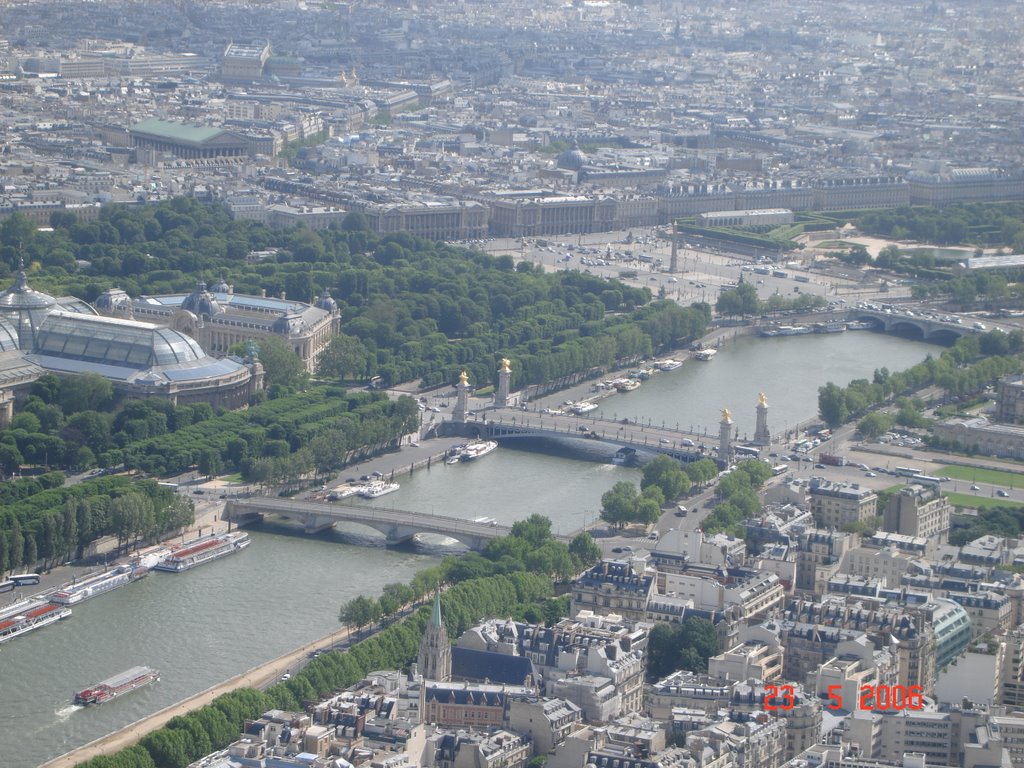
[725, 438]
[761, 434]
[461, 411]
[501, 392]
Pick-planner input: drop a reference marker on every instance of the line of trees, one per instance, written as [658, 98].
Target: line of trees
[984, 224]
[970, 364]
[50, 526]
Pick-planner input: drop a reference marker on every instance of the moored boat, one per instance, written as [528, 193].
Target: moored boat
[626, 385]
[784, 330]
[705, 354]
[583, 407]
[202, 550]
[832, 326]
[97, 585]
[668, 364]
[377, 489]
[476, 449]
[115, 686]
[855, 325]
[26, 615]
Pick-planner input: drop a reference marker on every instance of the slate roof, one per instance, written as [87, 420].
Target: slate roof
[478, 666]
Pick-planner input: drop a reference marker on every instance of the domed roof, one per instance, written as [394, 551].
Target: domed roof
[111, 299]
[289, 325]
[25, 308]
[201, 302]
[573, 158]
[21, 296]
[221, 286]
[326, 302]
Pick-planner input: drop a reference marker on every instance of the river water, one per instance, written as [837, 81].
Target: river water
[206, 625]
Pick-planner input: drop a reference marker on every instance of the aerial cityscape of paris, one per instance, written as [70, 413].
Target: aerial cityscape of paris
[528, 384]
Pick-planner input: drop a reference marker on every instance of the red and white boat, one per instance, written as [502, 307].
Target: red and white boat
[26, 615]
[202, 550]
[111, 688]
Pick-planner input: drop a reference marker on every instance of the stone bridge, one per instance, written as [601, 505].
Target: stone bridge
[396, 525]
[595, 439]
[924, 328]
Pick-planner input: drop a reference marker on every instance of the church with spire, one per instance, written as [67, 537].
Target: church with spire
[435, 657]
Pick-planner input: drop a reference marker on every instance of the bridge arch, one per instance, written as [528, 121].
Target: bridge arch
[908, 329]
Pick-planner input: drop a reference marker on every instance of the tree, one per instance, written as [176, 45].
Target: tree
[618, 506]
[359, 612]
[355, 222]
[875, 424]
[210, 463]
[832, 404]
[534, 530]
[85, 392]
[10, 459]
[167, 747]
[345, 357]
[667, 474]
[584, 549]
[280, 363]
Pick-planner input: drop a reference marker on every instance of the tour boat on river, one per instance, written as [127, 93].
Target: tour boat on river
[111, 688]
[26, 615]
[98, 584]
[705, 355]
[668, 365]
[202, 550]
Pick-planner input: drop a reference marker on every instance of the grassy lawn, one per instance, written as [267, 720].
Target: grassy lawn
[977, 474]
[234, 478]
[979, 502]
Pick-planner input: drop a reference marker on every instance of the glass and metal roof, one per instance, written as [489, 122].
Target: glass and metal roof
[8, 336]
[110, 341]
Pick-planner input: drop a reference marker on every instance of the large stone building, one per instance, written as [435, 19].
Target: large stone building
[186, 141]
[40, 334]
[918, 510]
[837, 504]
[220, 318]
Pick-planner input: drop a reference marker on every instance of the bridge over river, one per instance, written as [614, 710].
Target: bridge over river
[397, 525]
[593, 438]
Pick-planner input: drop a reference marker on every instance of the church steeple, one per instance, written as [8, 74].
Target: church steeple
[435, 657]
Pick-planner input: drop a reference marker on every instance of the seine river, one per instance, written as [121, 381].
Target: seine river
[209, 624]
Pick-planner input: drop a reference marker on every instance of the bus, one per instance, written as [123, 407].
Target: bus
[925, 479]
[907, 471]
[747, 450]
[780, 469]
[24, 579]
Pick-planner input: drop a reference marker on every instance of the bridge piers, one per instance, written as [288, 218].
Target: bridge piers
[316, 523]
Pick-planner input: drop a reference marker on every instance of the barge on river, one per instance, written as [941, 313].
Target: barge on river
[118, 685]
